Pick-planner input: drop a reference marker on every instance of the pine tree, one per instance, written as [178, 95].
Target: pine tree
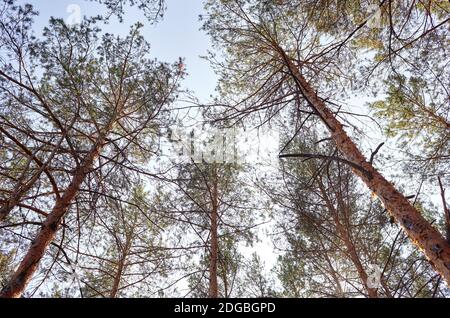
[91, 99]
[275, 57]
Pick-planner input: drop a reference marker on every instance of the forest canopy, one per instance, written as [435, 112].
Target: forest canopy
[318, 167]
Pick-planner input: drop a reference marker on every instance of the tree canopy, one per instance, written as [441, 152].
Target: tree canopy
[102, 197]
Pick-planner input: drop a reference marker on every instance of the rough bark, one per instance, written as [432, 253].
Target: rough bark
[446, 210]
[417, 228]
[214, 248]
[117, 278]
[47, 233]
[121, 266]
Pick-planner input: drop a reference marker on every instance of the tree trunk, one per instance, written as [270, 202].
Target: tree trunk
[214, 248]
[446, 210]
[121, 266]
[349, 246]
[351, 250]
[339, 290]
[420, 232]
[47, 233]
[117, 277]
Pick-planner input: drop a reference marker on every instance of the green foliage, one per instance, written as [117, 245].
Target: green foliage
[153, 9]
[128, 235]
[413, 113]
[6, 267]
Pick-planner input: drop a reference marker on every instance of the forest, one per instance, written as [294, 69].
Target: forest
[318, 166]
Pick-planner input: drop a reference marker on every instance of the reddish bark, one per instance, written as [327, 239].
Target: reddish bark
[120, 266]
[349, 246]
[420, 231]
[47, 233]
[214, 248]
[446, 210]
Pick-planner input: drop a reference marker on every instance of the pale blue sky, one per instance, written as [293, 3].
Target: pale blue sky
[177, 35]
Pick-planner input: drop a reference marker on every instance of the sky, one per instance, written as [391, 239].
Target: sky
[176, 35]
